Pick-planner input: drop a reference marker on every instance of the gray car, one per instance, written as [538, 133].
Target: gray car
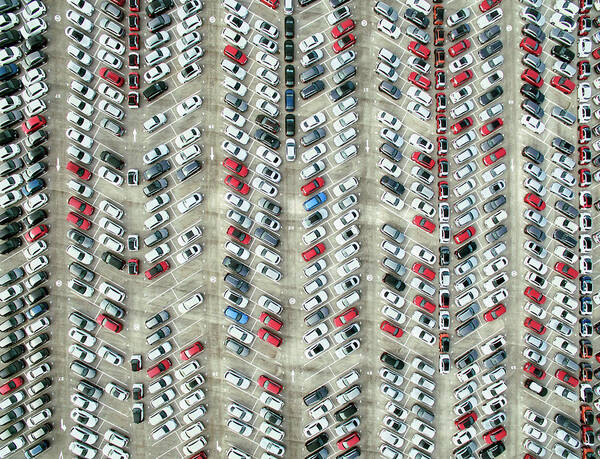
[493, 142]
[342, 75]
[490, 49]
[81, 272]
[393, 233]
[320, 314]
[12, 276]
[312, 137]
[312, 73]
[564, 116]
[493, 204]
[313, 88]
[534, 62]
[188, 170]
[157, 319]
[495, 359]
[468, 312]
[80, 238]
[157, 169]
[468, 327]
[236, 347]
[155, 237]
[535, 232]
[466, 359]
[236, 282]
[236, 102]
[267, 237]
[496, 233]
[566, 209]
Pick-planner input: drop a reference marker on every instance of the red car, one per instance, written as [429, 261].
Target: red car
[423, 271]
[423, 160]
[112, 77]
[269, 385]
[596, 53]
[563, 376]
[532, 369]
[134, 22]
[461, 78]
[563, 84]
[109, 323]
[424, 303]
[238, 235]
[459, 47]
[345, 317]
[565, 270]
[36, 233]
[348, 441]
[494, 313]
[465, 234]
[419, 50]
[532, 77]
[312, 186]
[271, 3]
[81, 206]
[134, 42]
[494, 156]
[461, 125]
[79, 221]
[466, 420]
[315, 251]
[531, 46]
[419, 80]
[585, 156]
[236, 184]
[344, 43]
[236, 54]
[33, 124]
[11, 385]
[235, 167]
[134, 5]
[423, 223]
[157, 269]
[490, 127]
[191, 351]
[534, 325]
[270, 338]
[497, 433]
[79, 171]
[585, 178]
[391, 329]
[441, 124]
[584, 25]
[343, 27]
[133, 266]
[160, 367]
[270, 321]
[534, 201]
[534, 295]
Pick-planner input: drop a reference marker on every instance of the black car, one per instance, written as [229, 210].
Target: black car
[155, 187]
[10, 38]
[417, 18]
[156, 7]
[316, 395]
[342, 91]
[10, 87]
[491, 95]
[7, 136]
[315, 443]
[113, 260]
[35, 217]
[488, 34]
[155, 90]
[465, 250]
[313, 136]
[563, 146]
[312, 73]
[532, 93]
[314, 88]
[13, 353]
[562, 53]
[268, 123]
[394, 282]
[290, 75]
[188, 170]
[237, 283]
[533, 31]
[157, 169]
[444, 256]
[236, 266]
[12, 369]
[10, 230]
[267, 139]
[8, 6]
[288, 50]
[345, 413]
[267, 237]
[458, 32]
[390, 151]
[568, 423]
[535, 232]
[392, 185]
[566, 209]
[112, 159]
[560, 236]
[290, 125]
[388, 88]
[533, 154]
[532, 108]
[289, 26]
[490, 49]
[492, 451]
[236, 102]
[391, 360]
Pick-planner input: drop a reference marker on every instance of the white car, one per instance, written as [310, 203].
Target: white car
[189, 105]
[311, 42]
[313, 121]
[189, 202]
[389, 28]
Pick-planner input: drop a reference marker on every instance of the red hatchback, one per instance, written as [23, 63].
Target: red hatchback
[269, 385]
[11, 385]
[496, 434]
[423, 271]
[459, 47]
[563, 84]
[312, 186]
[191, 351]
[236, 54]
[270, 338]
[79, 171]
[565, 270]
[423, 160]
[343, 27]
[532, 369]
[464, 235]
[424, 303]
[490, 127]
[466, 421]
[159, 368]
[33, 124]
[270, 321]
[461, 78]
[531, 46]
[391, 329]
[423, 223]
[348, 441]
[81, 206]
[534, 295]
[344, 43]
[419, 50]
[235, 167]
[534, 201]
[110, 324]
[534, 325]
[494, 313]
[566, 377]
[494, 156]
[419, 80]
[315, 251]
[459, 126]
[236, 184]
[36, 233]
[532, 77]
[157, 269]
[345, 317]
[79, 221]
[238, 235]
[112, 77]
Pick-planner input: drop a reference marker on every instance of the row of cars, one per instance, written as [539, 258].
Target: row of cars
[558, 250]
[26, 406]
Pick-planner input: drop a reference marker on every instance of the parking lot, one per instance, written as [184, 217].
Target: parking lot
[350, 267]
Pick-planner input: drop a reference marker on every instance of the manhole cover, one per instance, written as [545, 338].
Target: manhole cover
[508, 28]
[369, 277]
[58, 283]
[212, 19]
[363, 23]
[292, 300]
[213, 279]
[513, 273]
[57, 18]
